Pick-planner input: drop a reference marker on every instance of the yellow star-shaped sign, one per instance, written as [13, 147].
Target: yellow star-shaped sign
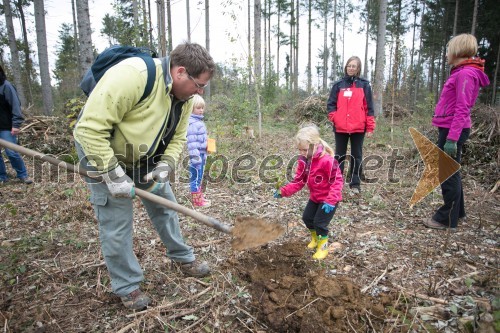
[438, 166]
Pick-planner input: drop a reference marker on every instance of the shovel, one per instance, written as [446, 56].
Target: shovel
[248, 232]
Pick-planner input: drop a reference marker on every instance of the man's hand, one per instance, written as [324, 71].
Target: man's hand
[159, 173]
[450, 148]
[119, 184]
[327, 208]
[369, 134]
[14, 131]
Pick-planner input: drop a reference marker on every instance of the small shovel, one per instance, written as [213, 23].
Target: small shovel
[248, 232]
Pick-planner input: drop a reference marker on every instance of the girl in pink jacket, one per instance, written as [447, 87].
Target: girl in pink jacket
[317, 168]
[452, 118]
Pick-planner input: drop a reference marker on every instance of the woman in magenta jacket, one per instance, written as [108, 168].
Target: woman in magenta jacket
[452, 118]
[350, 109]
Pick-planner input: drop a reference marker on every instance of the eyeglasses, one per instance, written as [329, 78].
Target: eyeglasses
[199, 86]
[352, 66]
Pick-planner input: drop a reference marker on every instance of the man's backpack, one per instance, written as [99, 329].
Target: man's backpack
[113, 55]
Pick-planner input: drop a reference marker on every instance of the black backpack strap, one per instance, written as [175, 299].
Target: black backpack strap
[151, 66]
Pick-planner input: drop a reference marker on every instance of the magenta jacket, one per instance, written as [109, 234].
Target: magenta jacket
[322, 176]
[458, 97]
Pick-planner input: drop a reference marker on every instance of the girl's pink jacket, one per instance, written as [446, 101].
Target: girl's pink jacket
[458, 97]
[322, 176]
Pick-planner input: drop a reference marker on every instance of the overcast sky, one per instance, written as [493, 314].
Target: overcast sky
[228, 31]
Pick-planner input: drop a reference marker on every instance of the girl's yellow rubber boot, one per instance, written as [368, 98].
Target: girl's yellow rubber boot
[314, 240]
[322, 248]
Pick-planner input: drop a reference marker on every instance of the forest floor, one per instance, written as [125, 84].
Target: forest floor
[385, 272]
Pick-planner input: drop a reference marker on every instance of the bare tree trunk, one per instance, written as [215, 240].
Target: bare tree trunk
[75, 28]
[249, 45]
[86, 52]
[455, 20]
[257, 61]
[162, 39]
[412, 55]
[395, 68]
[296, 45]
[75, 39]
[207, 40]
[278, 43]
[378, 87]
[474, 19]
[188, 21]
[135, 12]
[365, 68]
[325, 48]
[257, 41]
[309, 46]
[145, 24]
[265, 40]
[432, 70]
[334, 51]
[14, 52]
[344, 19]
[27, 59]
[292, 37]
[417, 68]
[150, 25]
[43, 57]
[269, 61]
[494, 95]
[169, 22]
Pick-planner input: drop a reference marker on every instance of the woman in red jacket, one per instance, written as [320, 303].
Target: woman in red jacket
[318, 169]
[350, 109]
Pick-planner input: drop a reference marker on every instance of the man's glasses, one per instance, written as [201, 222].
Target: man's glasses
[199, 86]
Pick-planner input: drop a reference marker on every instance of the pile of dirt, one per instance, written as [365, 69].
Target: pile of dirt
[293, 293]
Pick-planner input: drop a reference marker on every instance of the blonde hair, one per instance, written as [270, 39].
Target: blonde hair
[198, 101]
[358, 72]
[310, 134]
[462, 46]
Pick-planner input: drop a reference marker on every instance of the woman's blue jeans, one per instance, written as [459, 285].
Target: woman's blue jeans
[14, 157]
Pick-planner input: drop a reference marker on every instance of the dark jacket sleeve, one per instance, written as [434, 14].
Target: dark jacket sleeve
[15, 105]
[331, 106]
[369, 98]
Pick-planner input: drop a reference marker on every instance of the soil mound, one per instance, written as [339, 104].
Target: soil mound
[292, 293]
[251, 232]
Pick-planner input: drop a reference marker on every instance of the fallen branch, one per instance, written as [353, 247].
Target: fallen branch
[168, 305]
[305, 306]
[425, 297]
[374, 282]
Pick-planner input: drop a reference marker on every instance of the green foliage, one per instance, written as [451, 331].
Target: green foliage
[237, 111]
[121, 28]
[426, 105]
[66, 72]
[72, 109]
[469, 282]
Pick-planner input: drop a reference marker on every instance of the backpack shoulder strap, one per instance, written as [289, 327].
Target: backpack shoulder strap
[151, 66]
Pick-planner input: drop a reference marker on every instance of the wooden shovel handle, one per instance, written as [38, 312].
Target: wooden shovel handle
[205, 219]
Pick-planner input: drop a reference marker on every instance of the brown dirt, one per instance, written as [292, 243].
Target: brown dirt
[292, 293]
[390, 273]
[249, 232]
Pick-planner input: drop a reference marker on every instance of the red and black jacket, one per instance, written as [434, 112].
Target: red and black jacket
[350, 106]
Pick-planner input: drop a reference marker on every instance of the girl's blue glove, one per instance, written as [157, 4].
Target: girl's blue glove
[277, 194]
[327, 208]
